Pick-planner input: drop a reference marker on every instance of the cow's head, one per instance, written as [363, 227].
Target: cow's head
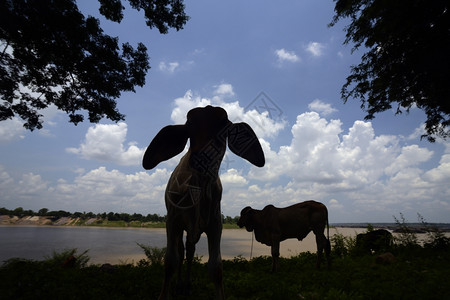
[246, 218]
[208, 129]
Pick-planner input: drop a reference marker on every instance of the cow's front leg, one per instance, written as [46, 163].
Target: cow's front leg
[275, 249]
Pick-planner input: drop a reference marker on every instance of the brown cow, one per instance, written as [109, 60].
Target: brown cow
[194, 191]
[273, 225]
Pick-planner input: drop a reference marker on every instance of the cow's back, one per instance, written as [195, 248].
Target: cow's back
[297, 220]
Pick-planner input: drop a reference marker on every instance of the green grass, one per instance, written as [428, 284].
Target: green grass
[418, 273]
[230, 226]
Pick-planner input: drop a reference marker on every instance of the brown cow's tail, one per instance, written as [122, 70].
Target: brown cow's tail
[328, 229]
[328, 234]
[328, 246]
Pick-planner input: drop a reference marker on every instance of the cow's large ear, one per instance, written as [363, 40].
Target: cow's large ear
[242, 141]
[245, 210]
[169, 142]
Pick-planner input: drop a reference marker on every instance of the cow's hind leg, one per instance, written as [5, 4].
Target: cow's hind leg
[322, 243]
[328, 253]
[275, 250]
[172, 260]
[215, 260]
[190, 251]
[180, 285]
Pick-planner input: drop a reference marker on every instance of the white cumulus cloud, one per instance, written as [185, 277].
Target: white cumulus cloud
[233, 178]
[355, 170]
[286, 56]
[321, 107]
[11, 130]
[168, 67]
[224, 89]
[105, 142]
[112, 190]
[315, 48]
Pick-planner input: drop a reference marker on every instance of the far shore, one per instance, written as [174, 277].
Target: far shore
[68, 221]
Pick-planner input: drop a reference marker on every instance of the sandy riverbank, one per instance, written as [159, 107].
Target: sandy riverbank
[37, 220]
[68, 221]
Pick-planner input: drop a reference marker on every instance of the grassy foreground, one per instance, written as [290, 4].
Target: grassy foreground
[417, 273]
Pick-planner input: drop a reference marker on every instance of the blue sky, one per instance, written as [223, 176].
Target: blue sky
[277, 67]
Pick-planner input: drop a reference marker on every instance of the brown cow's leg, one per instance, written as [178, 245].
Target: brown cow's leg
[275, 249]
[328, 253]
[321, 242]
[215, 259]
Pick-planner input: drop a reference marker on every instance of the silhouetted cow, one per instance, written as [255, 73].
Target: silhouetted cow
[374, 241]
[273, 225]
[194, 191]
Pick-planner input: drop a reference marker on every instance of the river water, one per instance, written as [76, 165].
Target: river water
[119, 245]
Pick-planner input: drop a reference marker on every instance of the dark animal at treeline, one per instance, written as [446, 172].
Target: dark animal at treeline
[376, 240]
[273, 225]
[194, 190]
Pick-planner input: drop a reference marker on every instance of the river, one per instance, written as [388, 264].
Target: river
[119, 245]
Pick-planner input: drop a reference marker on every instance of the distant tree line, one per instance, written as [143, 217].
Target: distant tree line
[111, 216]
[230, 220]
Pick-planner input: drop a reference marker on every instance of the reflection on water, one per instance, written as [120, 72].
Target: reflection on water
[114, 245]
[106, 245]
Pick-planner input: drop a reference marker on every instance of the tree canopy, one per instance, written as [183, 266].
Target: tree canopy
[50, 53]
[407, 62]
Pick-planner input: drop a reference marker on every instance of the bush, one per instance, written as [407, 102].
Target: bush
[68, 258]
[436, 239]
[406, 238]
[154, 255]
[342, 245]
[338, 246]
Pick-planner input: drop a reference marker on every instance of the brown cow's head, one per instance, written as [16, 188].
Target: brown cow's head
[246, 218]
[208, 129]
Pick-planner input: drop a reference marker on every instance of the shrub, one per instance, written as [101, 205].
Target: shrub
[154, 255]
[68, 257]
[338, 245]
[406, 238]
[342, 245]
[436, 239]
